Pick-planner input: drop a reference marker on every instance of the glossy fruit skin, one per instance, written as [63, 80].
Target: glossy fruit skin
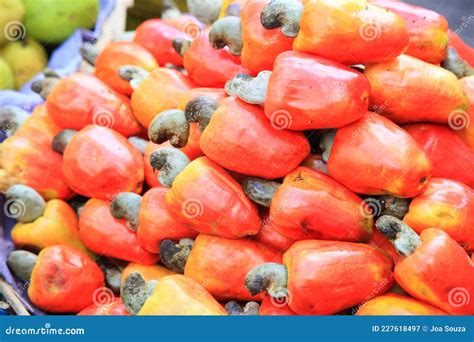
[112, 307]
[380, 241]
[448, 205]
[118, 54]
[233, 140]
[325, 277]
[392, 304]
[260, 46]
[82, 99]
[28, 156]
[180, 295]
[350, 32]
[464, 127]
[465, 51]
[225, 279]
[439, 272]
[98, 162]
[403, 89]
[156, 223]
[427, 29]
[57, 226]
[64, 280]
[160, 91]
[376, 146]
[315, 93]
[273, 307]
[157, 36]
[148, 272]
[311, 205]
[209, 67]
[208, 199]
[269, 236]
[193, 148]
[450, 156]
[106, 235]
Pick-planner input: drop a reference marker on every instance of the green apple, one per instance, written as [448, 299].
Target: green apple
[52, 21]
[11, 14]
[6, 76]
[26, 58]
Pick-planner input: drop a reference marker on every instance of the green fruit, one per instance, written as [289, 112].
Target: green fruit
[53, 21]
[11, 14]
[6, 76]
[26, 58]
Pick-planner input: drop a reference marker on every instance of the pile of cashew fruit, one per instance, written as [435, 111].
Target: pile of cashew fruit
[252, 157]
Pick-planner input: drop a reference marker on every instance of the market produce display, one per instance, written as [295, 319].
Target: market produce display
[248, 157]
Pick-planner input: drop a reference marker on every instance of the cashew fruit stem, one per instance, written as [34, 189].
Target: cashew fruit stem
[126, 205]
[22, 262]
[200, 110]
[227, 31]
[62, 139]
[233, 308]
[284, 14]
[327, 140]
[260, 191]
[457, 65]
[11, 119]
[175, 255]
[133, 74]
[170, 161]
[249, 89]
[170, 125]
[271, 276]
[24, 203]
[45, 86]
[89, 53]
[403, 237]
[181, 46]
[135, 291]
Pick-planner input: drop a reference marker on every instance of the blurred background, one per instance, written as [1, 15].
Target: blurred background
[457, 12]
